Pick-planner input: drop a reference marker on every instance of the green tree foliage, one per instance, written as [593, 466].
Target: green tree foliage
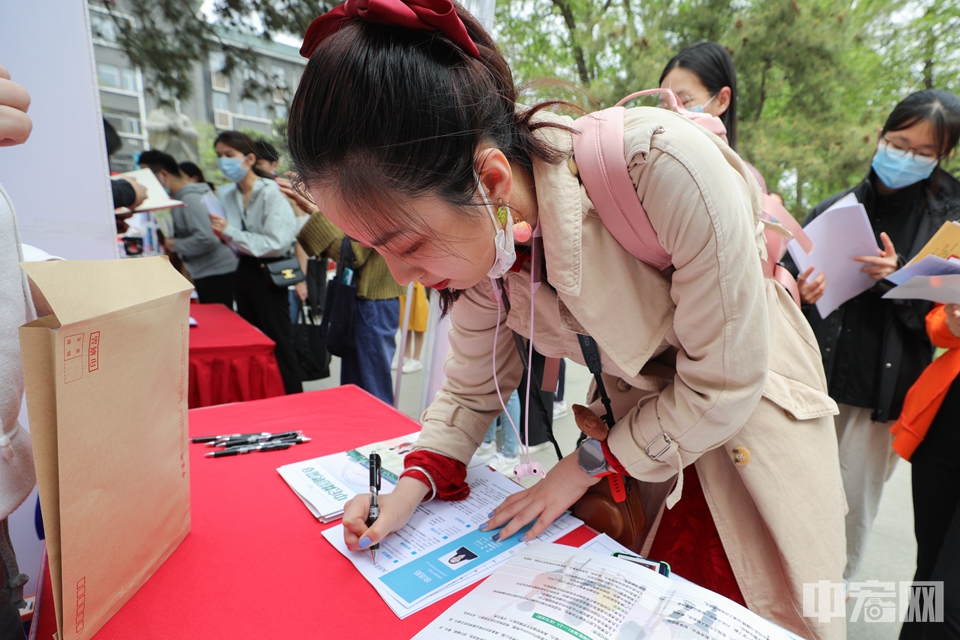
[816, 78]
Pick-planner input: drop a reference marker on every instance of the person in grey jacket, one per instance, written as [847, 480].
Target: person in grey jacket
[211, 263]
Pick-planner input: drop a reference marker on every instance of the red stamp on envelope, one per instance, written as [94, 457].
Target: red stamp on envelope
[93, 352]
[72, 346]
[73, 364]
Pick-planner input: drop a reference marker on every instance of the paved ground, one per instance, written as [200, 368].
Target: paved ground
[891, 551]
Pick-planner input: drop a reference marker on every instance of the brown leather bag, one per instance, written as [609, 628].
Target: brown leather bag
[622, 521]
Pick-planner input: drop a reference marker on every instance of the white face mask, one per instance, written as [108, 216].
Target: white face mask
[506, 252]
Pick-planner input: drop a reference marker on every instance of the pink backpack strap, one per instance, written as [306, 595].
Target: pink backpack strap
[599, 154]
[598, 150]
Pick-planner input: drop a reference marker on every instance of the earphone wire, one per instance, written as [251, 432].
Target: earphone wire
[524, 448]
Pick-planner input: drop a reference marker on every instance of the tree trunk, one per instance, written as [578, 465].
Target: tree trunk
[763, 89]
[800, 208]
[571, 24]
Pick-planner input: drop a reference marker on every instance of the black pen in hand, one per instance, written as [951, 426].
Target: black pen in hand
[374, 493]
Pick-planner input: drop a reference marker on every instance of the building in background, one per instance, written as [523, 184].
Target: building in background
[216, 100]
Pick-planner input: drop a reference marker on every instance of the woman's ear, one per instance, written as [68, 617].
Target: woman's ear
[723, 101]
[495, 174]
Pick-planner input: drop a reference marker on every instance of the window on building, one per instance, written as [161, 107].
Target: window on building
[279, 75]
[124, 123]
[280, 111]
[132, 125]
[129, 77]
[218, 79]
[250, 108]
[221, 101]
[103, 27]
[109, 76]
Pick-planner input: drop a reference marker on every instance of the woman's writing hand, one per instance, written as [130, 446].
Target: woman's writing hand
[544, 502]
[879, 267]
[396, 508]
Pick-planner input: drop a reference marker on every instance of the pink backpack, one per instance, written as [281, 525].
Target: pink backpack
[598, 151]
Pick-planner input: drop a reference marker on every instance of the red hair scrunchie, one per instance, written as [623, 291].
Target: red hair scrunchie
[422, 15]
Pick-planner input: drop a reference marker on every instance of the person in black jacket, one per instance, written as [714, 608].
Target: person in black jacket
[874, 349]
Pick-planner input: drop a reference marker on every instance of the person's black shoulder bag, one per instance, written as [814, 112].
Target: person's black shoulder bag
[338, 327]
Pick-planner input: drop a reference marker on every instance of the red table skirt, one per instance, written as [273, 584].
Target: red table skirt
[255, 564]
[230, 359]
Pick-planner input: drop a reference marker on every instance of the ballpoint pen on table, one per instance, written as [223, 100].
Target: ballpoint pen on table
[374, 494]
[226, 437]
[251, 439]
[250, 448]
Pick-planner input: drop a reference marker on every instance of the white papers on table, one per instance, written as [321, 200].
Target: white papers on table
[944, 289]
[441, 550]
[553, 591]
[839, 234]
[325, 484]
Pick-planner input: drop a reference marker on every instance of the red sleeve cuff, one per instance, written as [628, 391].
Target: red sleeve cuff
[449, 475]
[612, 459]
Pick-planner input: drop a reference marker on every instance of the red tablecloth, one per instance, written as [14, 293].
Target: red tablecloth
[230, 359]
[255, 564]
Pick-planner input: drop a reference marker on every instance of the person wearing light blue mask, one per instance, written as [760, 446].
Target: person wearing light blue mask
[260, 227]
[705, 81]
[874, 349]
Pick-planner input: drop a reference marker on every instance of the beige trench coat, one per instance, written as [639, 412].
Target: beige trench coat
[712, 354]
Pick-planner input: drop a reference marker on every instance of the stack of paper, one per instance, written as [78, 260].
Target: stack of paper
[930, 278]
[325, 484]
[441, 550]
[839, 234]
[553, 591]
[945, 243]
[931, 265]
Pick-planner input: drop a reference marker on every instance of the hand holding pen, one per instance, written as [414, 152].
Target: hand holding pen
[374, 496]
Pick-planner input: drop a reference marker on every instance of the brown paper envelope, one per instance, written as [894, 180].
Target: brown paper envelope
[112, 439]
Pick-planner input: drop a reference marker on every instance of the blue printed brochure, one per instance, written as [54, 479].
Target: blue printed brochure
[325, 484]
[441, 550]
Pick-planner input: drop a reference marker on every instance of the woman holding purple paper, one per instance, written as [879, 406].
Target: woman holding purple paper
[874, 349]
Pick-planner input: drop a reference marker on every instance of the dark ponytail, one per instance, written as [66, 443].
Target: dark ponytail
[242, 143]
[386, 115]
[713, 66]
[941, 109]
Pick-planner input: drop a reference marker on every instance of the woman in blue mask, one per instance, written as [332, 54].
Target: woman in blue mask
[705, 81]
[261, 227]
[873, 349]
